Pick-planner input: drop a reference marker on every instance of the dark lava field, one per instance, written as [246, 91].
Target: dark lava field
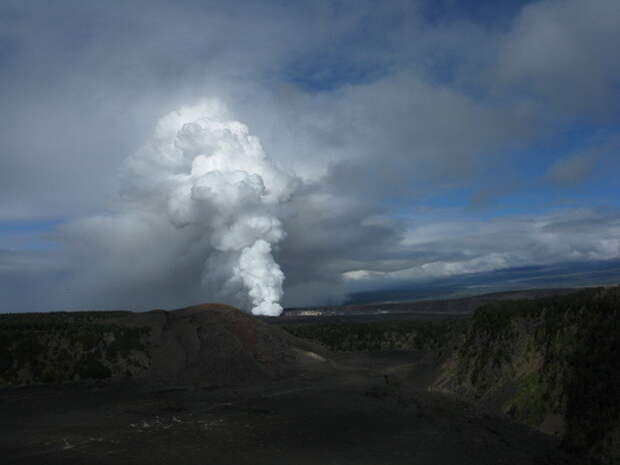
[357, 409]
[522, 382]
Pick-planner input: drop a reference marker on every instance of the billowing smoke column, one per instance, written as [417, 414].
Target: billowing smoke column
[207, 172]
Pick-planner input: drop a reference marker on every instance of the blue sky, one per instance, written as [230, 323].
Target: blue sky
[428, 141]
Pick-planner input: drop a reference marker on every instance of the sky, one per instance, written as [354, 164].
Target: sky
[263, 153]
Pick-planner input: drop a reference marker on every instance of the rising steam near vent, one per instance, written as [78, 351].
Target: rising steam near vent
[205, 172]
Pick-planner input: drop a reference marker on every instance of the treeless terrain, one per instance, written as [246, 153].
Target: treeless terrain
[347, 408]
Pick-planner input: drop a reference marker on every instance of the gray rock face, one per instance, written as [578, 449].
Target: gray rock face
[218, 345]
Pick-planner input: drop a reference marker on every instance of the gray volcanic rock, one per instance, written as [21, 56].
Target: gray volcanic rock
[218, 345]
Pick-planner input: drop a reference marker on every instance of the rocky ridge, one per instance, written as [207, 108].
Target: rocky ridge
[208, 344]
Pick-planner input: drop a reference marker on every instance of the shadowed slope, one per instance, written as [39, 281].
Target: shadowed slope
[218, 344]
[208, 344]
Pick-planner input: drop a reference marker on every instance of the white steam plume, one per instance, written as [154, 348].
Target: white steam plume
[207, 172]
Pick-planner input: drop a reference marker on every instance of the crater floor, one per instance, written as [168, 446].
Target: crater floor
[357, 409]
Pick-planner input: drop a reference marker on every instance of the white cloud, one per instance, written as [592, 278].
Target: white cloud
[448, 249]
[201, 178]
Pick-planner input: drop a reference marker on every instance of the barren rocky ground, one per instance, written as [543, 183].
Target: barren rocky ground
[355, 408]
[210, 384]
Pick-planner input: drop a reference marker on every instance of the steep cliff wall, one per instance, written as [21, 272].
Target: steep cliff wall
[553, 363]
